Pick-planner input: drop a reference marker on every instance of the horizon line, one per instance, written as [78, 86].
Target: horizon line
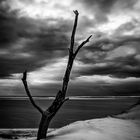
[70, 97]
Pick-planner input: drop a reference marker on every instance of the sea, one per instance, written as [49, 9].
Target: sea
[18, 112]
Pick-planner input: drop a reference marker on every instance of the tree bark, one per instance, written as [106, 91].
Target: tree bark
[60, 98]
[43, 127]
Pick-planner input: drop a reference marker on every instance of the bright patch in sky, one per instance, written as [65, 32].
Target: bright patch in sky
[105, 78]
[41, 9]
[48, 74]
[53, 73]
[114, 21]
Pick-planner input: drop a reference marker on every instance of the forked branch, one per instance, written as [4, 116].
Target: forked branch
[72, 54]
[82, 44]
[60, 97]
[28, 92]
[56, 104]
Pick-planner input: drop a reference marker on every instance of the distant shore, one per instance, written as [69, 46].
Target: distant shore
[70, 97]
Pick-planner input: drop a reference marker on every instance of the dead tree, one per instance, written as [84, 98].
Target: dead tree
[60, 98]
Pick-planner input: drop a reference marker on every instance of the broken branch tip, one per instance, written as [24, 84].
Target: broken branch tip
[76, 12]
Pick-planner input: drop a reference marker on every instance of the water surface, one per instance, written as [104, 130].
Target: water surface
[19, 113]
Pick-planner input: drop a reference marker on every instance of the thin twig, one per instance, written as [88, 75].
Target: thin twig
[82, 44]
[28, 92]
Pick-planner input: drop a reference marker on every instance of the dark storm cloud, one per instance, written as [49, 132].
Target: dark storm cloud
[103, 89]
[100, 47]
[50, 40]
[101, 8]
[120, 68]
[13, 28]
[104, 5]
[29, 44]
[115, 57]
[108, 44]
[7, 29]
[11, 66]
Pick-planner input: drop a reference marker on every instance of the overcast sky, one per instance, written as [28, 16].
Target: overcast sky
[35, 35]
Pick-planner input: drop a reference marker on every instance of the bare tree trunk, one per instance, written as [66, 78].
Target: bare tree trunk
[60, 98]
[48, 115]
[43, 127]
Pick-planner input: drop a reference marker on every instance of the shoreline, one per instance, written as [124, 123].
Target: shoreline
[70, 97]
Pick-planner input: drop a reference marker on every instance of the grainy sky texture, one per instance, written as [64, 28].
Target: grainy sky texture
[35, 35]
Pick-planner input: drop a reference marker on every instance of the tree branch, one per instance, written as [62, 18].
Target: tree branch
[72, 55]
[28, 92]
[74, 31]
[82, 44]
[56, 104]
[58, 101]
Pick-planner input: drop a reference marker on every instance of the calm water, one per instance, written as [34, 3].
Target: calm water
[19, 113]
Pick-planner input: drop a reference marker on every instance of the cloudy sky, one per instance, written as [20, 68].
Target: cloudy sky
[35, 35]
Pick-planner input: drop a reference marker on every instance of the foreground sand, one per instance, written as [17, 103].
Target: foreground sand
[123, 127]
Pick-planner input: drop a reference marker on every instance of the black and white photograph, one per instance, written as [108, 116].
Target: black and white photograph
[69, 69]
